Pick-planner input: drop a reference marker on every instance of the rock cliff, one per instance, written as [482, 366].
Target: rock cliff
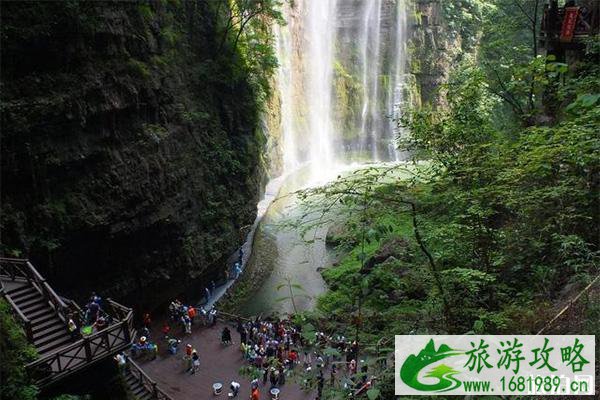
[439, 39]
[131, 146]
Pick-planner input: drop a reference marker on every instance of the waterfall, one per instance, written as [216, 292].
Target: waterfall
[340, 81]
[398, 100]
[370, 43]
[319, 67]
[285, 79]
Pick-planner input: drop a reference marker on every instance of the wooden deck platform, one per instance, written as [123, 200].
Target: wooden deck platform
[218, 363]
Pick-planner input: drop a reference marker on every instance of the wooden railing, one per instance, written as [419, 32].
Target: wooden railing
[147, 382]
[90, 349]
[22, 319]
[21, 268]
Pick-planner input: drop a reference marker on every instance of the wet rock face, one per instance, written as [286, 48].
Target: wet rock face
[435, 51]
[130, 148]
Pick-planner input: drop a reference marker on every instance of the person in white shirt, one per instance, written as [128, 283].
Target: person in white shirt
[235, 388]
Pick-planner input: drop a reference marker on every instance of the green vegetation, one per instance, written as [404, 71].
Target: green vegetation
[499, 228]
[15, 352]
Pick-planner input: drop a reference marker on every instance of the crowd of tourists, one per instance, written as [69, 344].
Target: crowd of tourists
[277, 346]
[273, 347]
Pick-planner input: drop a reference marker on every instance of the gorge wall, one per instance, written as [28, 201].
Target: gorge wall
[441, 34]
[131, 147]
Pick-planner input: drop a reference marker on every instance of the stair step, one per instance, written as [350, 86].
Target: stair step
[40, 320]
[41, 326]
[40, 312]
[20, 290]
[57, 326]
[25, 294]
[54, 345]
[30, 304]
[139, 389]
[145, 396]
[50, 337]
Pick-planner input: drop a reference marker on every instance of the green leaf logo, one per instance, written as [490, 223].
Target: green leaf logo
[412, 366]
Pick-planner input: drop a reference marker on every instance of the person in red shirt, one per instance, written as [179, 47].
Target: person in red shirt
[191, 313]
[147, 320]
[255, 395]
[166, 329]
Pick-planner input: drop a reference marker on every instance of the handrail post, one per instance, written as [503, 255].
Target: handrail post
[125, 327]
[88, 350]
[29, 331]
[154, 391]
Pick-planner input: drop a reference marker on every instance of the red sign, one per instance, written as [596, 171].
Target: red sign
[569, 23]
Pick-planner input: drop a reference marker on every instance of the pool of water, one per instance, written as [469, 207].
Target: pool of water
[293, 257]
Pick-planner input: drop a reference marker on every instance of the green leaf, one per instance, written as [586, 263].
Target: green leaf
[588, 100]
[373, 393]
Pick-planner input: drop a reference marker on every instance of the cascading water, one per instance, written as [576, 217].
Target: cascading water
[370, 73]
[341, 81]
[318, 64]
[339, 84]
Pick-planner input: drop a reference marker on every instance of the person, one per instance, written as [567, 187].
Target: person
[187, 323]
[274, 377]
[152, 349]
[242, 331]
[121, 360]
[226, 336]
[187, 358]
[237, 270]
[96, 299]
[147, 320]
[207, 292]
[255, 394]
[265, 375]
[99, 324]
[281, 375]
[143, 332]
[173, 345]
[91, 314]
[333, 374]
[293, 358]
[307, 359]
[212, 316]
[235, 388]
[165, 330]
[352, 366]
[191, 313]
[320, 362]
[72, 326]
[195, 362]
[320, 382]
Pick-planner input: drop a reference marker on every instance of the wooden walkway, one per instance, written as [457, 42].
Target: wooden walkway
[44, 316]
[218, 363]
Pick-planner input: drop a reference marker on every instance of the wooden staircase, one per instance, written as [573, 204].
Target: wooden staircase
[48, 330]
[136, 388]
[44, 316]
[140, 385]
